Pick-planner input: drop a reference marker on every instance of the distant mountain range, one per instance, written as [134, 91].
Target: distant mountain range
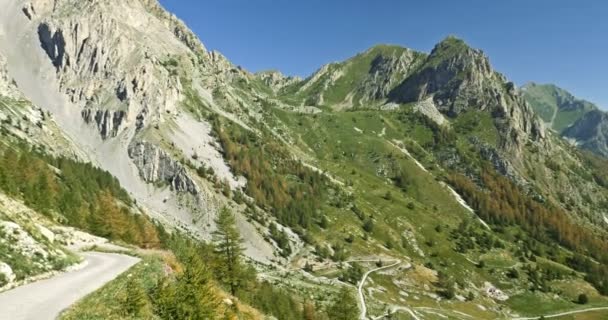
[428, 174]
[576, 119]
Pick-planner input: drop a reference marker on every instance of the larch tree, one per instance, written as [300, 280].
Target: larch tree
[229, 249]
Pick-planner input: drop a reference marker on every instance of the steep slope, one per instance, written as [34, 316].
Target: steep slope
[435, 160]
[459, 79]
[557, 107]
[115, 76]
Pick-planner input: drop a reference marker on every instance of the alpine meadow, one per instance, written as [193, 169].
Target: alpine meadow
[144, 176]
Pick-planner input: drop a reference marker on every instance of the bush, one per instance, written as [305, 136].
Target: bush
[582, 299]
[368, 226]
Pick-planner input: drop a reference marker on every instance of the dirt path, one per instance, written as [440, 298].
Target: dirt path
[45, 299]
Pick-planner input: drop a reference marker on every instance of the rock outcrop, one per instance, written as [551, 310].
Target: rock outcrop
[362, 80]
[108, 122]
[459, 79]
[156, 166]
[101, 64]
[387, 70]
[276, 80]
[7, 84]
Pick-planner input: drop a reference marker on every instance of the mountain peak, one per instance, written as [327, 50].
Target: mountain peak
[555, 105]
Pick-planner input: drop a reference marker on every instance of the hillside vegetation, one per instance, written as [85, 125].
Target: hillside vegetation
[392, 185]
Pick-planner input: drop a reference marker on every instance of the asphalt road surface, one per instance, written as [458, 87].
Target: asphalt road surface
[45, 299]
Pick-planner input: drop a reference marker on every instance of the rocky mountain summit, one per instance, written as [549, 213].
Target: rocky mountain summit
[434, 161]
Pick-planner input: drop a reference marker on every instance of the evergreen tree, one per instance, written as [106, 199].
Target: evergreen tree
[136, 303]
[582, 299]
[368, 226]
[228, 246]
[309, 312]
[191, 296]
[164, 299]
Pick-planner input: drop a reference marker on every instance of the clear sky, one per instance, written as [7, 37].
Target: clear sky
[546, 41]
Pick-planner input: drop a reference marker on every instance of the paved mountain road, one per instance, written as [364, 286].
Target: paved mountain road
[361, 297]
[45, 299]
[564, 313]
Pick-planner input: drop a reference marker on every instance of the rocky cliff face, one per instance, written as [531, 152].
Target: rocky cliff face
[459, 79]
[276, 80]
[385, 72]
[364, 80]
[156, 166]
[102, 66]
[8, 88]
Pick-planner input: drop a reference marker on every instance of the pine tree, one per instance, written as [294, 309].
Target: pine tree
[164, 299]
[195, 298]
[9, 166]
[136, 303]
[228, 246]
[113, 218]
[148, 233]
[308, 311]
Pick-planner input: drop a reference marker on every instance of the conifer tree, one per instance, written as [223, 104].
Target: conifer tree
[136, 303]
[195, 298]
[229, 249]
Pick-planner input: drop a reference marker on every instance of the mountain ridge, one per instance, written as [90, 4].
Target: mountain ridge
[386, 156]
[579, 121]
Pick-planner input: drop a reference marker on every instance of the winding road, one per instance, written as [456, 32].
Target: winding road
[45, 299]
[360, 288]
[564, 313]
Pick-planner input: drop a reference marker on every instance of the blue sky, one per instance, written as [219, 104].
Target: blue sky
[546, 41]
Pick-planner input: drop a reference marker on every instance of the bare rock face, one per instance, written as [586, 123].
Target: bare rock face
[276, 80]
[369, 77]
[7, 85]
[458, 78]
[156, 166]
[180, 30]
[386, 71]
[102, 64]
[108, 122]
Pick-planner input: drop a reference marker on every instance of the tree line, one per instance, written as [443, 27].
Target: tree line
[74, 193]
